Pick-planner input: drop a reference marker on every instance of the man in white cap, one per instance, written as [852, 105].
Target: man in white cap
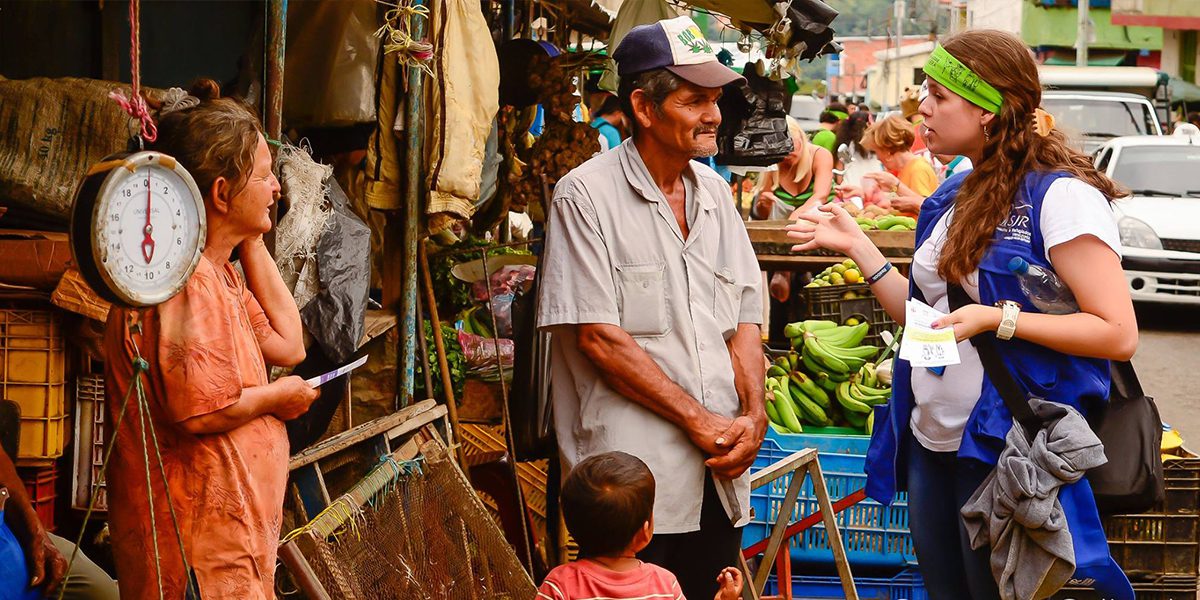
[651, 290]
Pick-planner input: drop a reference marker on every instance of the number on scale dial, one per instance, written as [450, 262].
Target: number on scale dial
[151, 228]
[144, 232]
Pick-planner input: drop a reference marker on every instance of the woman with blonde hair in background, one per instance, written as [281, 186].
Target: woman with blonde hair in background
[802, 181]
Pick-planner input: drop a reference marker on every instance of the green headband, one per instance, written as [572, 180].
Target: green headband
[839, 114]
[950, 72]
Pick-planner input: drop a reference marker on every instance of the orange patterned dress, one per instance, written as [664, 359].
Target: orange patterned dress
[227, 488]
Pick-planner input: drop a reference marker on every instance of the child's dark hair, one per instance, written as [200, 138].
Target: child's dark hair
[605, 500]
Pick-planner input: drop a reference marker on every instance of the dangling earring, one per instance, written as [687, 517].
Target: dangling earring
[986, 136]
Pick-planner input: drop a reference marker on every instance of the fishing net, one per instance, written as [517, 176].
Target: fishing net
[307, 218]
[424, 534]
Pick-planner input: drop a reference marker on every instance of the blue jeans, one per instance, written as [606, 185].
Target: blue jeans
[939, 484]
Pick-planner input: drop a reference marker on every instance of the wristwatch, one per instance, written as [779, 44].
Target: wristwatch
[1008, 319]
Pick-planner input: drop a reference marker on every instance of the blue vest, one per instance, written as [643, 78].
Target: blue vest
[1079, 382]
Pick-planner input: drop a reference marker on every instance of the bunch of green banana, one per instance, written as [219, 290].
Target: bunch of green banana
[475, 320]
[887, 223]
[838, 351]
[829, 378]
[792, 400]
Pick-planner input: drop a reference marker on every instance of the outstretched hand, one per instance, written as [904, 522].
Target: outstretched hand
[829, 227]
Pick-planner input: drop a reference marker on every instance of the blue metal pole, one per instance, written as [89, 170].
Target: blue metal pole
[413, 188]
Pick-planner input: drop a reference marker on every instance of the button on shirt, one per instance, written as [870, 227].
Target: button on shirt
[615, 255]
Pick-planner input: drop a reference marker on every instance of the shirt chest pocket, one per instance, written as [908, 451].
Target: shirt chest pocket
[643, 299]
[727, 302]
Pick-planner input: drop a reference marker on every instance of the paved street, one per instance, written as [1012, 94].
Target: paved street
[1168, 365]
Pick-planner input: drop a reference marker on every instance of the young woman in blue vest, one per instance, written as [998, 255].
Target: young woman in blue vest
[1030, 196]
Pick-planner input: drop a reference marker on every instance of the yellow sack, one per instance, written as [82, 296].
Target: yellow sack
[462, 101]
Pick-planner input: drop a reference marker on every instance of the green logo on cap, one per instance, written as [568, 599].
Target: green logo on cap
[694, 40]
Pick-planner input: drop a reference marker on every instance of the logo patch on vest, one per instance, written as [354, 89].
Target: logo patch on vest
[1016, 227]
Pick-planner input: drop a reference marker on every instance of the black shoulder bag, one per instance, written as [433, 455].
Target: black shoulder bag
[1128, 425]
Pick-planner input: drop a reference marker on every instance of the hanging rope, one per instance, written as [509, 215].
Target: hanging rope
[136, 104]
[397, 38]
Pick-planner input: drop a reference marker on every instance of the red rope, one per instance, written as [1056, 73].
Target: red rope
[136, 106]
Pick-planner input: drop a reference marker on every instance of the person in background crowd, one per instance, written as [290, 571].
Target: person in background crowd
[46, 554]
[801, 182]
[952, 165]
[826, 136]
[1194, 118]
[219, 419]
[594, 97]
[862, 161]
[652, 292]
[838, 110]
[1030, 196]
[864, 108]
[609, 120]
[909, 178]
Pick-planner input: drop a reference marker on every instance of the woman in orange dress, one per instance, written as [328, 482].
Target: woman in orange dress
[217, 418]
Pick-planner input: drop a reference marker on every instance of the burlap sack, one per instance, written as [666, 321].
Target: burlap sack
[51, 131]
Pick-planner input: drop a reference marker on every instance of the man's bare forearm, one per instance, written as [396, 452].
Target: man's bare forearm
[630, 371]
[749, 372]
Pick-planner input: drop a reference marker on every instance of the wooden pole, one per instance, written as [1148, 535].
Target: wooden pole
[273, 89]
[439, 345]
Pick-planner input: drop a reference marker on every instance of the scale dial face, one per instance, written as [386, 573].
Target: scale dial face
[148, 229]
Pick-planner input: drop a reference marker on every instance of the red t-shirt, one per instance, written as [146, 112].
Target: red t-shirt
[587, 580]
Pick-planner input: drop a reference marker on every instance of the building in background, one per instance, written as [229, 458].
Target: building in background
[890, 75]
[1180, 23]
[1050, 28]
[848, 76]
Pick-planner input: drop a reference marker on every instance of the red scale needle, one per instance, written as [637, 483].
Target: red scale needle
[148, 241]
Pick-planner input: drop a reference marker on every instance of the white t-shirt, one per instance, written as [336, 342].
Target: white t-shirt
[942, 404]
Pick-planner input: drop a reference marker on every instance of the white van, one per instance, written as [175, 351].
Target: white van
[1095, 104]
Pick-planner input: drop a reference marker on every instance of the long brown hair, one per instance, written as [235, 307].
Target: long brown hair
[1012, 149]
[215, 138]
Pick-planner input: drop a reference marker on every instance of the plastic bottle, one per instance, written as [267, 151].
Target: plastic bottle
[1047, 292]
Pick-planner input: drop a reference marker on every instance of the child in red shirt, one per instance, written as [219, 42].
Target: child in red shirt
[608, 503]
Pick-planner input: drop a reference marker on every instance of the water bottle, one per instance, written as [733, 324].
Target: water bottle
[1047, 292]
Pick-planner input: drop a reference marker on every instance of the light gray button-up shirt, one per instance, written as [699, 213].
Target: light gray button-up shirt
[614, 254]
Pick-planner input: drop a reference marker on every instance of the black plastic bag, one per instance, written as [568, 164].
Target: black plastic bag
[753, 128]
[336, 315]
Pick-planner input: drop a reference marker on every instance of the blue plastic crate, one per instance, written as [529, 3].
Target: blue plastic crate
[875, 536]
[907, 585]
